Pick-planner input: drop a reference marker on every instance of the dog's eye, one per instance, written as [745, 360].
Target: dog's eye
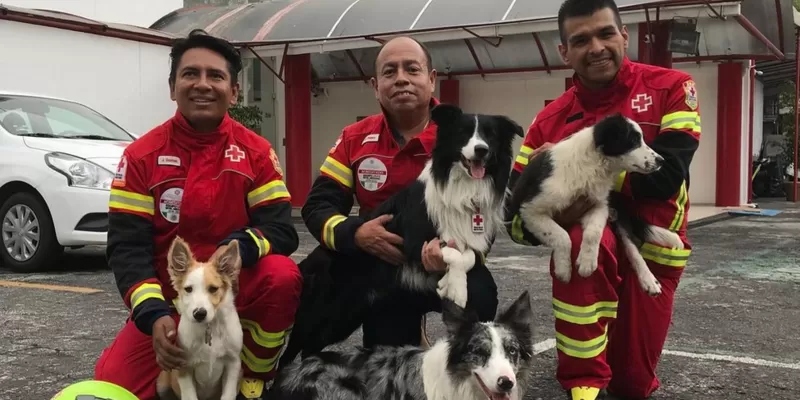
[212, 289]
[188, 289]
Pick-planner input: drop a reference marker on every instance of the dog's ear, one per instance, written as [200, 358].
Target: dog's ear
[227, 259]
[519, 315]
[445, 114]
[455, 317]
[508, 126]
[179, 256]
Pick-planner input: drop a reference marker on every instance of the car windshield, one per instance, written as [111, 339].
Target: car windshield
[43, 117]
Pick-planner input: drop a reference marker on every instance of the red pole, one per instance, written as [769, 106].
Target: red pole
[796, 108]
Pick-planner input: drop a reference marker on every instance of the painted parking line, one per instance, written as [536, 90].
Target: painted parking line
[43, 286]
[550, 344]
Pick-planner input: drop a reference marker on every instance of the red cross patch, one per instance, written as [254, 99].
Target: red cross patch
[234, 154]
[691, 94]
[477, 223]
[642, 102]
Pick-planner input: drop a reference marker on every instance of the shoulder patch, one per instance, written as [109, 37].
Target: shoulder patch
[276, 163]
[691, 94]
[119, 176]
[335, 145]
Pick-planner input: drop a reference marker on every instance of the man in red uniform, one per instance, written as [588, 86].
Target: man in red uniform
[609, 332]
[371, 160]
[207, 178]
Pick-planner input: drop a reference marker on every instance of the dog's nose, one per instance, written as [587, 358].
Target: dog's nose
[659, 160]
[481, 150]
[505, 384]
[199, 314]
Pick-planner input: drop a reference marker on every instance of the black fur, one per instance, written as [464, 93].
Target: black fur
[533, 175]
[339, 290]
[614, 136]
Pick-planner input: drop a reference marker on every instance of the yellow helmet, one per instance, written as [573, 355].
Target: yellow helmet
[94, 390]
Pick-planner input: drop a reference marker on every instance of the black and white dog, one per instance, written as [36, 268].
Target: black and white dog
[587, 163]
[458, 196]
[475, 361]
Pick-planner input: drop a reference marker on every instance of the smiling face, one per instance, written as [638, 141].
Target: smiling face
[203, 88]
[404, 81]
[594, 46]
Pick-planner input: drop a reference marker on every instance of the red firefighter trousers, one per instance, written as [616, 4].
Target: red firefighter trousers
[609, 332]
[268, 298]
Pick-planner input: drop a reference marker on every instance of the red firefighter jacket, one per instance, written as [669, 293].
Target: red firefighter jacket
[209, 188]
[368, 162]
[664, 102]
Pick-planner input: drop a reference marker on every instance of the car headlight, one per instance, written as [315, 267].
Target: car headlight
[80, 172]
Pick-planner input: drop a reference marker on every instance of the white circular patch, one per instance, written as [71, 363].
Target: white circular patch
[372, 174]
[170, 204]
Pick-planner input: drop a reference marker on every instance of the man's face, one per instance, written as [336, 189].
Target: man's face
[203, 87]
[403, 80]
[595, 46]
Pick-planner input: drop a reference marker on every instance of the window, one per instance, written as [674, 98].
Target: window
[36, 116]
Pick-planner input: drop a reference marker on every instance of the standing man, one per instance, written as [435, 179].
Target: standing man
[372, 160]
[609, 332]
[207, 178]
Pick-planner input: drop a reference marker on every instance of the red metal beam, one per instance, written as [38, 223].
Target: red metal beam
[780, 25]
[749, 27]
[82, 26]
[474, 57]
[541, 51]
[266, 65]
[496, 71]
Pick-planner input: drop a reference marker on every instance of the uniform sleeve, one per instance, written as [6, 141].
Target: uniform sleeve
[270, 230]
[514, 225]
[130, 245]
[330, 200]
[677, 141]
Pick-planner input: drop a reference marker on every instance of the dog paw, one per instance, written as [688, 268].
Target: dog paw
[650, 284]
[454, 287]
[587, 262]
[562, 266]
[450, 255]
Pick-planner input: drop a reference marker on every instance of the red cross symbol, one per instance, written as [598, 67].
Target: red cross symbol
[477, 219]
[234, 153]
[642, 102]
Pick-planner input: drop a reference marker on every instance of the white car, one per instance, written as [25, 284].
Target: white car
[57, 160]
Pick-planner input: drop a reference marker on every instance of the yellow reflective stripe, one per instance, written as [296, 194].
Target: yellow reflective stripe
[665, 256]
[267, 340]
[584, 315]
[620, 180]
[517, 233]
[524, 155]
[131, 201]
[688, 120]
[337, 171]
[582, 348]
[258, 365]
[263, 244]
[327, 230]
[144, 292]
[680, 204]
[269, 191]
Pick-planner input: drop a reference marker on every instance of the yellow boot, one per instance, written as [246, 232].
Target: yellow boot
[584, 393]
[251, 389]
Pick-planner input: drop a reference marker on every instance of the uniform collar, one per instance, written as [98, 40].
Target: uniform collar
[612, 94]
[428, 135]
[185, 135]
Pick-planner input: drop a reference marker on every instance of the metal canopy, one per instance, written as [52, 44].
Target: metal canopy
[342, 36]
[285, 20]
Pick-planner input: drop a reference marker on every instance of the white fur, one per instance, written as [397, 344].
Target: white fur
[580, 169]
[215, 364]
[454, 206]
[439, 385]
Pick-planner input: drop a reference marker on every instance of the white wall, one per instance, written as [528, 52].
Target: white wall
[520, 96]
[124, 80]
[133, 12]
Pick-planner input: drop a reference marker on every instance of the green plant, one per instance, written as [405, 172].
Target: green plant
[250, 116]
[787, 107]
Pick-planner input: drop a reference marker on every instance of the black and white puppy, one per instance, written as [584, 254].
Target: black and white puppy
[587, 164]
[458, 196]
[475, 361]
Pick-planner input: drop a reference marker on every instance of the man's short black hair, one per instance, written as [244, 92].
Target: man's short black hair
[584, 8]
[428, 59]
[199, 38]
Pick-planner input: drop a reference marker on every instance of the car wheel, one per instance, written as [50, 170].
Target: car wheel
[28, 237]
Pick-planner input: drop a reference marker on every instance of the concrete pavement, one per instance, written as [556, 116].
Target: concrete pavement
[733, 334]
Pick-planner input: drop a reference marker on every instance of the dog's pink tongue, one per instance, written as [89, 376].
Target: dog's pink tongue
[476, 170]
